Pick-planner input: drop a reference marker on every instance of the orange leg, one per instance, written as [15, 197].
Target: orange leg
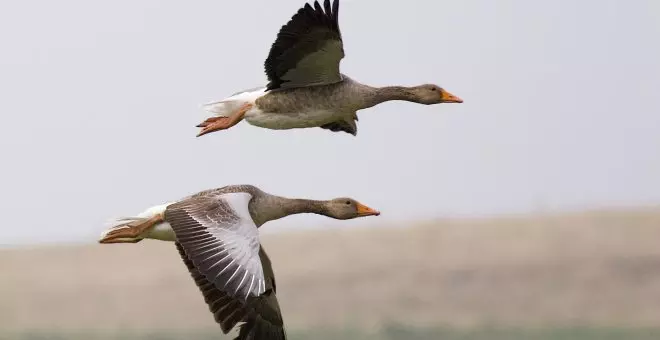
[222, 123]
[130, 232]
[119, 240]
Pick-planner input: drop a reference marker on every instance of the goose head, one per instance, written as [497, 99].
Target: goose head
[345, 208]
[432, 94]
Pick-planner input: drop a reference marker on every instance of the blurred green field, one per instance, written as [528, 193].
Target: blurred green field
[388, 333]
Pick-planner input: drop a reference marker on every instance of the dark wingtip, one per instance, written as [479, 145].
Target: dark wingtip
[335, 11]
[307, 8]
[327, 7]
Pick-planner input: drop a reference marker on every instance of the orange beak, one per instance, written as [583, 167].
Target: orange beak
[447, 97]
[363, 210]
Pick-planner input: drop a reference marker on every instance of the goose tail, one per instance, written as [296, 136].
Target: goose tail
[225, 107]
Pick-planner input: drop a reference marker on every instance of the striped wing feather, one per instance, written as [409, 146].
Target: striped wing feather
[221, 244]
[261, 316]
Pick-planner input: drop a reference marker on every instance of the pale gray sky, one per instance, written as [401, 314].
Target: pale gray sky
[100, 102]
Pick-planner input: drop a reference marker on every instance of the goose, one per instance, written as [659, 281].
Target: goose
[215, 232]
[305, 86]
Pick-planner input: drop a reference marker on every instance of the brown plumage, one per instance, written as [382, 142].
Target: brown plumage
[305, 85]
[216, 234]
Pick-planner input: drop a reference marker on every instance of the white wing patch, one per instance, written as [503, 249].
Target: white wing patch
[222, 242]
[239, 201]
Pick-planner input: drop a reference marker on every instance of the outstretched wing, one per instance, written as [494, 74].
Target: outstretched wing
[308, 49]
[261, 316]
[221, 240]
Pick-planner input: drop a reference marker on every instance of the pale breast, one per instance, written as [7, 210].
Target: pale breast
[281, 121]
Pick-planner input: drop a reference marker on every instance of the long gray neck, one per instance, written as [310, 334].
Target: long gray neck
[270, 207]
[377, 95]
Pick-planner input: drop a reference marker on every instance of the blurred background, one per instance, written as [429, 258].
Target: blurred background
[530, 211]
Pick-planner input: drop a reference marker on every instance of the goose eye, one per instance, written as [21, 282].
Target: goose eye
[348, 202]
